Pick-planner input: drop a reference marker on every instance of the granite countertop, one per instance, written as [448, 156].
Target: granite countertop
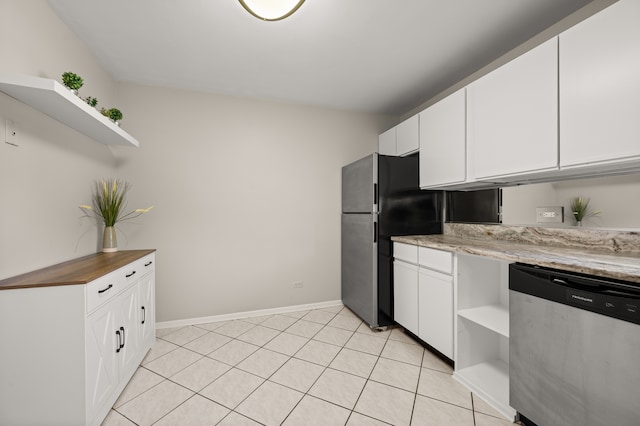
[610, 254]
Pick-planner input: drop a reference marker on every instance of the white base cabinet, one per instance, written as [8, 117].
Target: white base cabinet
[459, 305]
[68, 351]
[405, 295]
[424, 294]
[435, 298]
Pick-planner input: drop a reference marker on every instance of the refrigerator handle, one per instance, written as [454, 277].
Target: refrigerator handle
[375, 232]
[375, 194]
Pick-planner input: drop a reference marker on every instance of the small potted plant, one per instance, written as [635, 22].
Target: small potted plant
[72, 81]
[115, 115]
[580, 209]
[91, 101]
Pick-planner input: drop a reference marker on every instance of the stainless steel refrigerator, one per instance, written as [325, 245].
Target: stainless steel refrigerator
[380, 198]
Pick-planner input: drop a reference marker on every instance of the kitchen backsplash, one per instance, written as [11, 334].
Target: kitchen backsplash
[627, 242]
[617, 197]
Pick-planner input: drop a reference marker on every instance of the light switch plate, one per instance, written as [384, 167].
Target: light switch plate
[554, 214]
[11, 133]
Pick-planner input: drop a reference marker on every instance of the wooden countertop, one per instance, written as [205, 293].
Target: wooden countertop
[614, 263]
[77, 271]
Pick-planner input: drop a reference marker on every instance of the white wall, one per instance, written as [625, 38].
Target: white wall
[246, 195]
[44, 179]
[617, 197]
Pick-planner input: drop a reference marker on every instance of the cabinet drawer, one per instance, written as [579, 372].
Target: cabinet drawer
[406, 252]
[104, 288]
[435, 259]
[147, 264]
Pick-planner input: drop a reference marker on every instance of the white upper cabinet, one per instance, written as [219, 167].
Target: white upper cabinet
[403, 139]
[443, 142]
[600, 88]
[387, 142]
[408, 136]
[513, 116]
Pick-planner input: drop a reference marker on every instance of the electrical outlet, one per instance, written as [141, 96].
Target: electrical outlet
[11, 133]
[298, 284]
[553, 214]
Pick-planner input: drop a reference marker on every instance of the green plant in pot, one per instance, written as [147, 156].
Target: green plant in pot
[109, 203]
[72, 81]
[115, 115]
[580, 209]
[91, 101]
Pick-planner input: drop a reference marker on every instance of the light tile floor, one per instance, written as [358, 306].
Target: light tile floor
[318, 367]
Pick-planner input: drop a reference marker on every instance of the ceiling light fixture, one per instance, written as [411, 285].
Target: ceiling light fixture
[271, 10]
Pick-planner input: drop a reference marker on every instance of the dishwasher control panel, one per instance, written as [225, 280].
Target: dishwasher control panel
[613, 298]
[614, 306]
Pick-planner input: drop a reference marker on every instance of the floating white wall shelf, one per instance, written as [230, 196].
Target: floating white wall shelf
[53, 99]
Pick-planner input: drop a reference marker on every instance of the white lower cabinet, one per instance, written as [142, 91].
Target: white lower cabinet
[73, 348]
[147, 295]
[423, 294]
[482, 329]
[405, 295]
[459, 305]
[101, 356]
[435, 298]
[119, 334]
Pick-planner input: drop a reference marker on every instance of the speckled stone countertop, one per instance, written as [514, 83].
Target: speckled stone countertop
[611, 254]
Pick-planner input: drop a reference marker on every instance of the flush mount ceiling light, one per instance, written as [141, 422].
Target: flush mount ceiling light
[271, 10]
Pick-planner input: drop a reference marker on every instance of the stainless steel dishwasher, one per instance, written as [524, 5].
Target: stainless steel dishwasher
[574, 348]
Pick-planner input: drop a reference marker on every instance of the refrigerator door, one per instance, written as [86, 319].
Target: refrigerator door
[359, 266]
[359, 185]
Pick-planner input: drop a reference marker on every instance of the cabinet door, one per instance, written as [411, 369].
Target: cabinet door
[435, 303]
[127, 324]
[443, 142]
[408, 136]
[513, 115]
[102, 365]
[387, 142]
[600, 87]
[147, 311]
[405, 295]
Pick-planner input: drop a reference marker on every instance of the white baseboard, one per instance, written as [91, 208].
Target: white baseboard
[247, 314]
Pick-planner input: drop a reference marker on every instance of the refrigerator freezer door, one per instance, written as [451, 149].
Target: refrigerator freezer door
[359, 185]
[359, 266]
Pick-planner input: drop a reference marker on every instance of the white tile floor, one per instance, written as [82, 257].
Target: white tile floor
[319, 367]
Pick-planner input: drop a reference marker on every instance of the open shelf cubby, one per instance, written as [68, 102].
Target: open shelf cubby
[482, 330]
